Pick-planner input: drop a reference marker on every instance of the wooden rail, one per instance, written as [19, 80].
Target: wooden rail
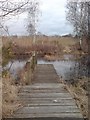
[30, 66]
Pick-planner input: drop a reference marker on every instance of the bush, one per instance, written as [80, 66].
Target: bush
[7, 54]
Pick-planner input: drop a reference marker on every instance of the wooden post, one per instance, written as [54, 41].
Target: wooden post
[29, 72]
[31, 63]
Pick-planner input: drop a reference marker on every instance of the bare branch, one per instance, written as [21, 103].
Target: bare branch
[77, 15]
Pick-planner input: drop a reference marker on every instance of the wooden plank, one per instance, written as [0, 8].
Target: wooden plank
[43, 91]
[35, 104]
[44, 95]
[49, 100]
[44, 99]
[45, 74]
[48, 110]
[66, 116]
[44, 85]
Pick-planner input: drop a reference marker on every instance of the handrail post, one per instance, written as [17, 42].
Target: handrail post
[31, 66]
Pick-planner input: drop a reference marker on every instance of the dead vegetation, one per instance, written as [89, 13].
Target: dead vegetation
[51, 46]
[0, 78]
[9, 96]
[0, 100]
[27, 41]
[79, 91]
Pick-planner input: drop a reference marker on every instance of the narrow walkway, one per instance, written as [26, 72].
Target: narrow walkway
[46, 99]
[45, 74]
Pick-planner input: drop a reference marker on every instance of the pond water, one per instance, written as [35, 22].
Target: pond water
[16, 67]
[62, 67]
[67, 69]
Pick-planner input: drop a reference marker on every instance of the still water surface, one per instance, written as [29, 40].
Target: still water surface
[67, 68]
[63, 67]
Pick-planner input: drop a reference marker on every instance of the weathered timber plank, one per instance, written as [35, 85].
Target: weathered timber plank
[44, 85]
[45, 74]
[49, 101]
[47, 110]
[44, 95]
[32, 104]
[66, 116]
[44, 99]
[43, 91]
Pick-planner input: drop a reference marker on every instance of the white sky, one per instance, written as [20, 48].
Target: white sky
[51, 21]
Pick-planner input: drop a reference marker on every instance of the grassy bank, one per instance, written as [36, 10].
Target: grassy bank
[9, 96]
[79, 91]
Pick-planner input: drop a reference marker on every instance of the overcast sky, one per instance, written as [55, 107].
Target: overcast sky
[52, 20]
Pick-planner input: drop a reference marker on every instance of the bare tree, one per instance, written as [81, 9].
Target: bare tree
[78, 14]
[88, 6]
[10, 8]
[33, 14]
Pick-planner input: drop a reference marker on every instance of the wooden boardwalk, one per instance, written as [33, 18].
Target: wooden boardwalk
[46, 98]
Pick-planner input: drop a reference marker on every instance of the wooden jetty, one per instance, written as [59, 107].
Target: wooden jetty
[46, 98]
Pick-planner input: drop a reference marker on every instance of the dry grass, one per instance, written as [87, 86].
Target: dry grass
[20, 41]
[67, 41]
[0, 99]
[52, 45]
[0, 79]
[9, 93]
[27, 41]
[53, 57]
[80, 93]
